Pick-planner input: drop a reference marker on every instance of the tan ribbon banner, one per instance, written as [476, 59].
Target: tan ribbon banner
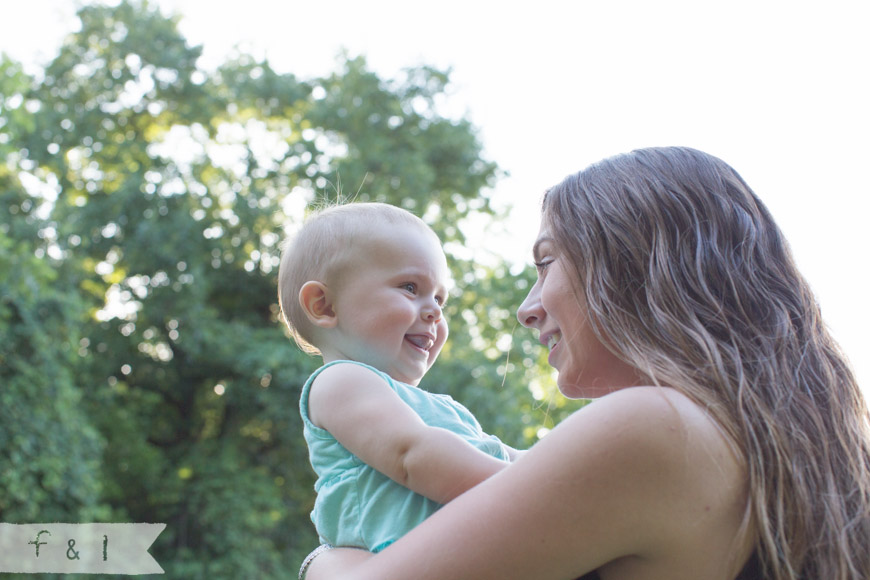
[79, 548]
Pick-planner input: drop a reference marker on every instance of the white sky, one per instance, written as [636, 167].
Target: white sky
[778, 89]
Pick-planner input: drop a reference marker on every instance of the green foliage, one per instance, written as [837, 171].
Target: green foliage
[145, 375]
[398, 149]
[51, 453]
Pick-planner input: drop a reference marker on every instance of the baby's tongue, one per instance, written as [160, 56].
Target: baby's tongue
[418, 341]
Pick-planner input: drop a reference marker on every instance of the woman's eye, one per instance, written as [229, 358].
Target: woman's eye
[542, 265]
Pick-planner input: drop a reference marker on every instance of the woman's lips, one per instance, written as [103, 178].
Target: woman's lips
[553, 339]
[552, 342]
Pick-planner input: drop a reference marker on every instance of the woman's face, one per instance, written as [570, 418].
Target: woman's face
[587, 369]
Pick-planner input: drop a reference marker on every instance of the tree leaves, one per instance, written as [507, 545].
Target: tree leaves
[146, 376]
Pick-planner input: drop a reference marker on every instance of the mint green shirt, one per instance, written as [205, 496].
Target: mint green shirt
[359, 506]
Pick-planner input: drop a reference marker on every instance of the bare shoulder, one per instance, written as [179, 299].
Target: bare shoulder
[662, 428]
[340, 386]
[342, 373]
[655, 416]
[660, 461]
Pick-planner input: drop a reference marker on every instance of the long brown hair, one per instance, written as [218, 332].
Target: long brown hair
[689, 279]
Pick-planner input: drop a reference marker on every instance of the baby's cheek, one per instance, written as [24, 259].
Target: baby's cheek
[440, 339]
[441, 333]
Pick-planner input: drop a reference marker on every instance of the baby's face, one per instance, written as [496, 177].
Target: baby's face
[389, 305]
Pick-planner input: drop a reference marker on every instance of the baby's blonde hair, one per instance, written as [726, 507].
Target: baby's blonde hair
[319, 251]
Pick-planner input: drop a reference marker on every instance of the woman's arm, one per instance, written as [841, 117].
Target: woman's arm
[630, 481]
[369, 419]
[333, 562]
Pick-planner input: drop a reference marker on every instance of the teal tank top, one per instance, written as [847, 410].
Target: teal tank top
[357, 505]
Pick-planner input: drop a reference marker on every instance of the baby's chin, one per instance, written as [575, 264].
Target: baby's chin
[410, 378]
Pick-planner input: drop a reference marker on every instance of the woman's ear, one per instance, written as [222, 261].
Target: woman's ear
[315, 299]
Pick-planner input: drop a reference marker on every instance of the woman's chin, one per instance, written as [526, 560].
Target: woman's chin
[572, 390]
[578, 389]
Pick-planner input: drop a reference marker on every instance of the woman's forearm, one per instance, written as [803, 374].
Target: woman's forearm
[335, 563]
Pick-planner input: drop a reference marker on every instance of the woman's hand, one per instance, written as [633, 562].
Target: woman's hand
[336, 563]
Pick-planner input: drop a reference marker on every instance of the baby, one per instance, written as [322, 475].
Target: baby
[363, 285]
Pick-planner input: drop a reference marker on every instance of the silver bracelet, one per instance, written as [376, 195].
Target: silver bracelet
[310, 558]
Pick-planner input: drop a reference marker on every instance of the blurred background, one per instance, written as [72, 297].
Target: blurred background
[156, 153]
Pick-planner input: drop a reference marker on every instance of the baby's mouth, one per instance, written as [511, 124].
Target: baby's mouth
[421, 341]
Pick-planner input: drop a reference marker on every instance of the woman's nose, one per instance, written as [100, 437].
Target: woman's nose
[530, 312]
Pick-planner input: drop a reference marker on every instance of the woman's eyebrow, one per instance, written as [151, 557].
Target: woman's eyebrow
[536, 249]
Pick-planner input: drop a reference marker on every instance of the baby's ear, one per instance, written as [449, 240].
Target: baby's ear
[315, 299]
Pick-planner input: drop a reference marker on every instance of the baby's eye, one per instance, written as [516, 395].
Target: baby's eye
[409, 287]
[439, 300]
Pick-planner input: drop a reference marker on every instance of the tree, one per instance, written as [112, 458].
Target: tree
[164, 192]
[50, 452]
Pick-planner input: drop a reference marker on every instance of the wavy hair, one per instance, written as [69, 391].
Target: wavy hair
[688, 278]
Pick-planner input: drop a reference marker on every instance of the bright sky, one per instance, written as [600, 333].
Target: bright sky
[778, 89]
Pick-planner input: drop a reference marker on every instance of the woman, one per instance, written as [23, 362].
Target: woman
[730, 439]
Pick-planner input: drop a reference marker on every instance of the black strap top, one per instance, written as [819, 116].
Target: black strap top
[751, 571]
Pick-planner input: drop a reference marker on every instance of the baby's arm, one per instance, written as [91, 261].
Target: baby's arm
[514, 454]
[369, 419]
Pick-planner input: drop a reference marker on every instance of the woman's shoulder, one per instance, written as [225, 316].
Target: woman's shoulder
[654, 454]
[637, 425]
[659, 424]
[656, 415]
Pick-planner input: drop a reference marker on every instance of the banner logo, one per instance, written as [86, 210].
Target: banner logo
[79, 548]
